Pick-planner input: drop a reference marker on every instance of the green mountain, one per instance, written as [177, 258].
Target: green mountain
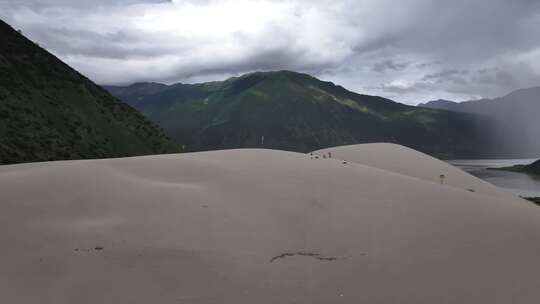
[296, 112]
[48, 111]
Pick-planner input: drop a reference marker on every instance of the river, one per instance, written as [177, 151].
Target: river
[518, 183]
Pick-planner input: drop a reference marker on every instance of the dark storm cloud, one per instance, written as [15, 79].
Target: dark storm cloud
[447, 75]
[410, 50]
[389, 65]
[267, 60]
[113, 45]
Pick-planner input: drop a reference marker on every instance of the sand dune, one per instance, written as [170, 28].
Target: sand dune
[263, 226]
[409, 162]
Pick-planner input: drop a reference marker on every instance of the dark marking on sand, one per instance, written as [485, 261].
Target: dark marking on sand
[315, 255]
[326, 259]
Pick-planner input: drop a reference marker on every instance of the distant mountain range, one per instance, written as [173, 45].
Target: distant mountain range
[297, 112]
[515, 128]
[48, 111]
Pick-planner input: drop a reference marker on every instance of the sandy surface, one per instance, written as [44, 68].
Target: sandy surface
[262, 226]
[403, 160]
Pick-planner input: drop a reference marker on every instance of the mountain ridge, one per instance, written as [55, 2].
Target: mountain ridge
[297, 112]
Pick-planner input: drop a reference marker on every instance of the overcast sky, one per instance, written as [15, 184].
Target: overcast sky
[409, 50]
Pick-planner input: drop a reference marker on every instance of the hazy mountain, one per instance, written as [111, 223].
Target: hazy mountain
[48, 111]
[522, 101]
[296, 112]
[442, 104]
[516, 119]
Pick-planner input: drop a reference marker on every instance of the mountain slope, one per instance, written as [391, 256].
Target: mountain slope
[516, 127]
[533, 168]
[294, 112]
[49, 111]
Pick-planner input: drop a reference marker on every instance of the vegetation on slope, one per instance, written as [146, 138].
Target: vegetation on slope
[533, 169]
[296, 112]
[49, 111]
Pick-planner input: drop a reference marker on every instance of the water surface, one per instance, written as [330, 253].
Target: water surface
[518, 183]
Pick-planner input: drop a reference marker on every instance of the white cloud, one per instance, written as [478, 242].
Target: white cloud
[373, 46]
